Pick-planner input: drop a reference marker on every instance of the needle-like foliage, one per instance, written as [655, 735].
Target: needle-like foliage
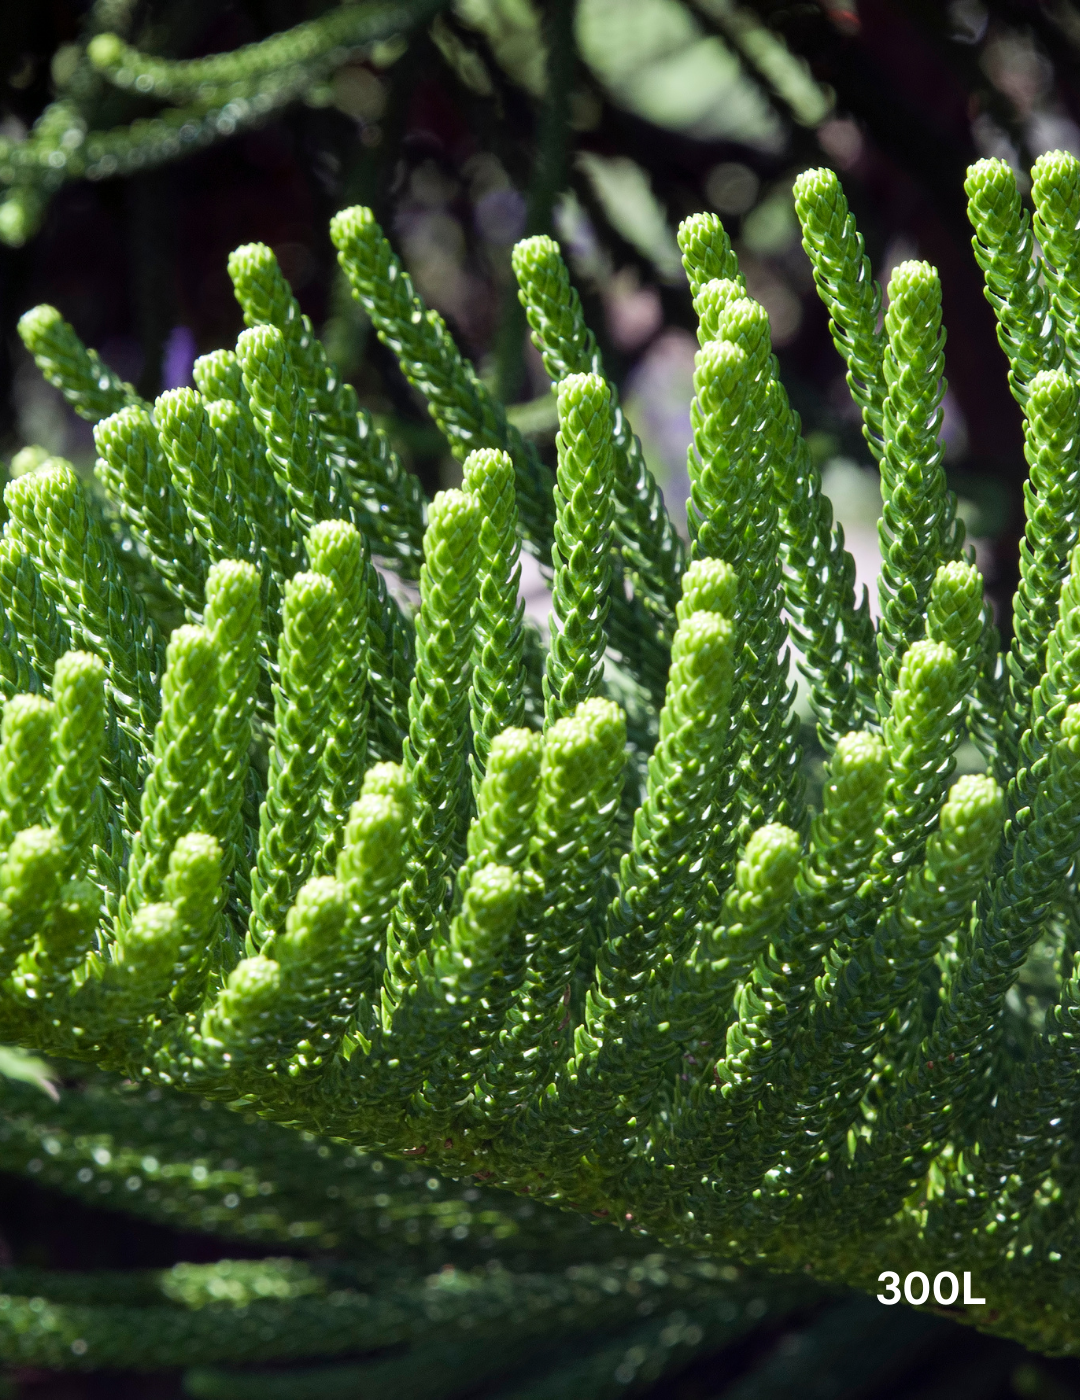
[306, 853]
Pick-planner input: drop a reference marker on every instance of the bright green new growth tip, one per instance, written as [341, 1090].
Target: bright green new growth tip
[572, 927]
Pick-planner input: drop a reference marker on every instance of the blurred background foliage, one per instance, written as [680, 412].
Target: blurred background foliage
[465, 124]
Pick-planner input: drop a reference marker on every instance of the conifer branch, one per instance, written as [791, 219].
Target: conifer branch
[595, 950]
[1005, 250]
[851, 295]
[497, 691]
[585, 506]
[651, 549]
[1055, 188]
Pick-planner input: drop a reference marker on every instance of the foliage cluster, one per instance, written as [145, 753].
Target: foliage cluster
[555, 915]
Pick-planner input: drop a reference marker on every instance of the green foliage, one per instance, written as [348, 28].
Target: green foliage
[686, 1005]
[389, 500]
[846, 285]
[497, 693]
[917, 530]
[1004, 248]
[1055, 188]
[288, 815]
[463, 409]
[584, 501]
[434, 752]
[651, 550]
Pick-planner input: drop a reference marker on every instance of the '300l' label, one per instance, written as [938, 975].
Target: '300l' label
[917, 1289]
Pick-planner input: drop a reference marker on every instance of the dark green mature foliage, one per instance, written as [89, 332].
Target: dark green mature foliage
[196, 102]
[307, 857]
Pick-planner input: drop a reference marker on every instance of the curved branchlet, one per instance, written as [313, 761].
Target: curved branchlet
[218, 377]
[389, 502]
[88, 384]
[189, 442]
[731, 466]
[193, 103]
[707, 254]
[851, 295]
[32, 614]
[172, 799]
[25, 760]
[338, 551]
[918, 529]
[232, 622]
[51, 521]
[301, 707]
[1052, 508]
[585, 506]
[1055, 188]
[1005, 250]
[651, 548]
[465, 412]
[321, 43]
[135, 473]
[77, 743]
[434, 752]
[497, 691]
[279, 408]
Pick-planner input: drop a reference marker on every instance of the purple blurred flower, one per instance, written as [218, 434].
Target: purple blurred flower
[500, 216]
[178, 358]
